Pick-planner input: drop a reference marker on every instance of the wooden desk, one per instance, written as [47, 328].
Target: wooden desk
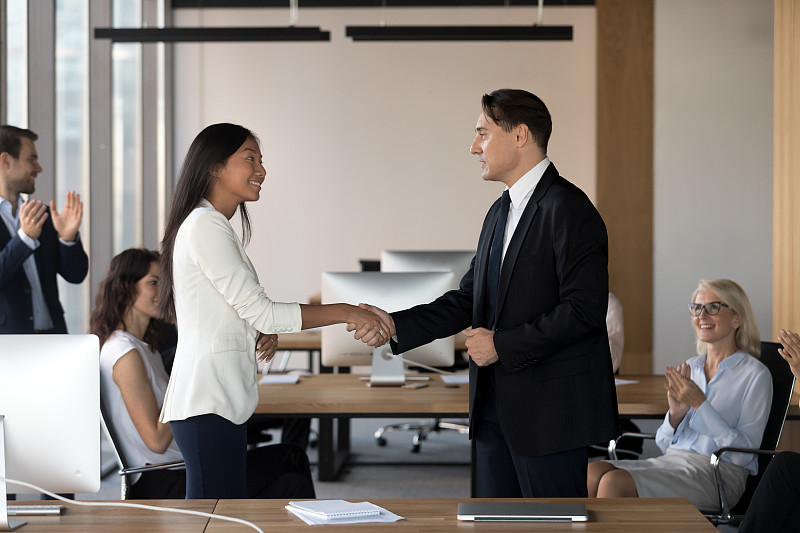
[79, 519]
[645, 399]
[335, 398]
[631, 515]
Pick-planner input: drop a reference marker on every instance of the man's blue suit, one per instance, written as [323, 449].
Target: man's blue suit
[553, 386]
[52, 257]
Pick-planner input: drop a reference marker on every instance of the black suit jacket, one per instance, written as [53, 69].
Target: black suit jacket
[52, 257]
[554, 381]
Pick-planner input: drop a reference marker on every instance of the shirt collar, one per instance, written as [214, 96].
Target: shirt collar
[729, 362]
[525, 185]
[5, 205]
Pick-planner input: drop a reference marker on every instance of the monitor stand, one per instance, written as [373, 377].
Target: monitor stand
[387, 371]
[5, 523]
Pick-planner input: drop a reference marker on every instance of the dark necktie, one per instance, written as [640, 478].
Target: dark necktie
[495, 258]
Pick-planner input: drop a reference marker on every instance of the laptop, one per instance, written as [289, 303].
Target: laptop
[522, 512]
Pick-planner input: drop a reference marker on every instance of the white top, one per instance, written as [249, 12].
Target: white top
[220, 307]
[133, 447]
[616, 330]
[735, 412]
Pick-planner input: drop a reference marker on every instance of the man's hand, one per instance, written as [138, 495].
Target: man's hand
[32, 215]
[68, 221]
[480, 346]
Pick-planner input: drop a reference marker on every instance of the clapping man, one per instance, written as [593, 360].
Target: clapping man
[36, 243]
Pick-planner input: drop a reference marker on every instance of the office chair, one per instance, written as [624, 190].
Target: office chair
[125, 469]
[782, 386]
[423, 428]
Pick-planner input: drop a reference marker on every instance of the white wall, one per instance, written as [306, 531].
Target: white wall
[713, 160]
[366, 144]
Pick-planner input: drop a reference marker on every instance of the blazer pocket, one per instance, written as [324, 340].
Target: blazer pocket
[228, 343]
[562, 368]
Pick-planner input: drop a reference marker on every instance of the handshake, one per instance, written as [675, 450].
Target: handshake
[372, 325]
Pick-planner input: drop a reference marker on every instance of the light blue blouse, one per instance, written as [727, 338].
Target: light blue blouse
[735, 412]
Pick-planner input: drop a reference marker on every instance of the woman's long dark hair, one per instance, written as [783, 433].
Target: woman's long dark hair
[208, 152]
[118, 292]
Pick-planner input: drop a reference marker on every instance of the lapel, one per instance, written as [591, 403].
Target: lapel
[525, 222]
[481, 262]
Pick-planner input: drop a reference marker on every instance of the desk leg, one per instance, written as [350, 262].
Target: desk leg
[332, 458]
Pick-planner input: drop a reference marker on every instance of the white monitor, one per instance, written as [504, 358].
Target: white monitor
[391, 292]
[455, 261]
[50, 410]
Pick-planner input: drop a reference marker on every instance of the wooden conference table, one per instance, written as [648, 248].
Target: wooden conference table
[659, 515]
[335, 398]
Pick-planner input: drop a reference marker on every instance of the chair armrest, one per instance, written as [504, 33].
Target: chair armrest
[172, 465]
[716, 459]
[612, 444]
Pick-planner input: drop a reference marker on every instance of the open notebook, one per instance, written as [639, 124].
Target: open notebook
[523, 511]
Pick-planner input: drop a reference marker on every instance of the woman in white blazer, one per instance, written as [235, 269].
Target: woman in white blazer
[224, 318]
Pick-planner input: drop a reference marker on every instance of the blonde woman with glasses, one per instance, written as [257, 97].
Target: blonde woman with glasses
[721, 397]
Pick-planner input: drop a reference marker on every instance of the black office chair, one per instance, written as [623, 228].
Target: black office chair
[782, 386]
[125, 468]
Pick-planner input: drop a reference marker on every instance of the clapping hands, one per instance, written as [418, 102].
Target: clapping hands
[790, 350]
[69, 220]
[682, 392]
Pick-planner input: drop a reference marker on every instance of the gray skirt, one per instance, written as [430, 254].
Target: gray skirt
[681, 474]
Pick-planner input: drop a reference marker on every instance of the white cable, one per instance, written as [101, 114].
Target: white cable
[539, 12]
[426, 367]
[131, 505]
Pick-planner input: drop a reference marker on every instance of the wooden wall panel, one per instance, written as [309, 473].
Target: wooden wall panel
[786, 168]
[625, 165]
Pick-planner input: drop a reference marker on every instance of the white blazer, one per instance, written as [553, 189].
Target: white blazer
[220, 307]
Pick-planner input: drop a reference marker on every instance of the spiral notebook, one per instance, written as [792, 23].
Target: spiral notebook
[336, 509]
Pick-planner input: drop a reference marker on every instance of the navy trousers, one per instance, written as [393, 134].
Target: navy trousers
[215, 452]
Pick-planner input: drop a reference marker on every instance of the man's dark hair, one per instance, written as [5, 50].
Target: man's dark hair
[508, 108]
[10, 139]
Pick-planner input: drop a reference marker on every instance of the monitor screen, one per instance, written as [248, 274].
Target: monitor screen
[50, 403]
[391, 292]
[455, 261]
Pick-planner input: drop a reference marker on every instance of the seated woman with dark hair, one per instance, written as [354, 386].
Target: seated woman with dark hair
[133, 382]
[718, 398]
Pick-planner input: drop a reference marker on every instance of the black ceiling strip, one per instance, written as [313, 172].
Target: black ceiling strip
[218, 34]
[336, 4]
[460, 33]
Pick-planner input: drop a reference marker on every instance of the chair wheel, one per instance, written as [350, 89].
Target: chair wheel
[381, 441]
[415, 448]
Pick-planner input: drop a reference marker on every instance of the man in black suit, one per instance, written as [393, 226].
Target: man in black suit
[36, 243]
[541, 383]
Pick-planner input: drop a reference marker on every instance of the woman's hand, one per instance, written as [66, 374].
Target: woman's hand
[790, 350]
[372, 326]
[682, 393]
[266, 346]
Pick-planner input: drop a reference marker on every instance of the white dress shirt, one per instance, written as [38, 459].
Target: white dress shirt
[735, 411]
[520, 193]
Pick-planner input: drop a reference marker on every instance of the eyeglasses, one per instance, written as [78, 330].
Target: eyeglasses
[712, 308]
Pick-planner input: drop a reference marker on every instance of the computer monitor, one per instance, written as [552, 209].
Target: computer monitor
[49, 413]
[455, 261]
[391, 292]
